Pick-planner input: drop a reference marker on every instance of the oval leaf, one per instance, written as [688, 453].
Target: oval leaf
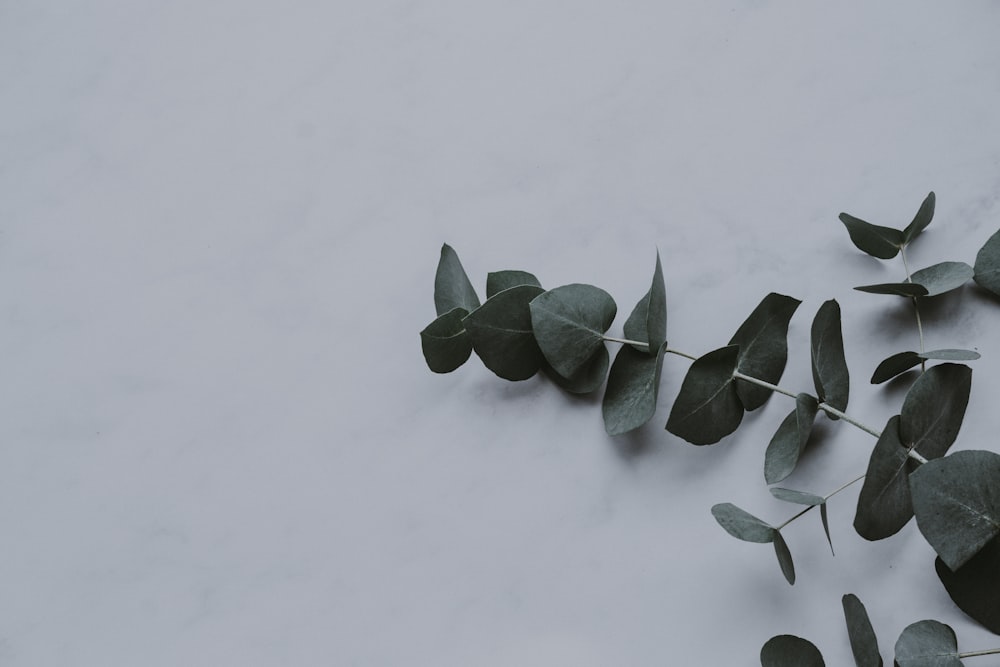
[934, 408]
[707, 407]
[943, 277]
[975, 587]
[590, 376]
[894, 365]
[633, 386]
[987, 267]
[742, 525]
[784, 557]
[864, 645]
[884, 504]
[956, 500]
[927, 644]
[452, 288]
[950, 355]
[790, 651]
[498, 281]
[829, 366]
[501, 333]
[920, 221]
[881, 242]
[445, 342]
[797, 497]
[763, 343]
[569, 324]
[648, 321]
[790, 440]
[897, 289]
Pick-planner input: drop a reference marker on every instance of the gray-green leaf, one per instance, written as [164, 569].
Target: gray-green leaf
[445, 342]
[894, 365]
[762, 339]
[790, 651]
[829, 366]
[569, 324]
[633, 386]
[881, 242]
[988, 265]
[934, 408]
[897, 289]
[943, 277]
[797, 497]
[742, 525]
[920, 221]
[648, 321]
[498, 281]
[501, 333]
[975, 587]
[707, 407]
[884, 504]
[864, 645]
[927, 644]
[784, 557]
[590, 376]
[790, 439]
[452, 288]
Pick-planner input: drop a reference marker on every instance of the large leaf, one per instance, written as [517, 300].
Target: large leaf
[590, 376]
[975, 587]
[829, 366]
[881, 242]
[956, 500]
[927, 644]
[445, 342]
[763, 343]
[897, 289]
[498, 281]
[987, 266]
[790, 440]
[943, 277]
[934, 408]
[707, 407]
[864, 645]
[633, 386]
[920, 221]
[884, 504]
[790, 651]
[501, 333]
[569, 324]
[648, 321]
[904, 361]
[784, 557]
[742, 525]
[452, 288]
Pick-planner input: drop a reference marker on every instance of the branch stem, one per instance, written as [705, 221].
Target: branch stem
[916, 308]
[626, 341]
[761, 383]
[975, 654]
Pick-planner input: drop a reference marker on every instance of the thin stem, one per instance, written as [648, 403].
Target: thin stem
[844, 486]
[916, 308]
[670, 350]
[915, 455]
[762, 383]
[975, 654]
[625, 341]
[795, 517]
[829, 409]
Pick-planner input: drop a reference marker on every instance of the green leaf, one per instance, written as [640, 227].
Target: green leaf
[501, 333]
[707, 407]
[784, 557]
[829, 366]
[956, 500]
[884, 504]
[790, 651]
[927, 644]
[975, 587]
[920, 221]
[934, 408]
[590, 376]
[569, 324]
[894, 365]
[943, 277]
[648, 321]
[797, 497]
[950, 355]
[445, 342]
[633, 386]
[742, 525]
[825, 518]
[790, 440]
[987, 266]
[881, 242]
[498, 281]
[762, 339]
[452, 288]
[864, 645]
[897, 289]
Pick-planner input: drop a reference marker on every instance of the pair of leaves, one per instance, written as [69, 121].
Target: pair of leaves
[790, 439]
[904, 361]
[809, 500]
[745, 526]
[932, 281]
[886, 242]
[445, 342]
[987, 268]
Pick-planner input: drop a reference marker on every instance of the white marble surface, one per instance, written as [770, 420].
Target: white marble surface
[219, 223]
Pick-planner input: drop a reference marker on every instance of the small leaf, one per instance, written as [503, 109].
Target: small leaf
[452, 288]
[884, 504]
[790, 651]
[784, 557]
[956, 500]
[590, 376]
[633, 386]
[797, 497]
[501, 333]
[648, 321]
[927, 644]
[881, 242]
[943, 277]
[897, 289]
[920, 220]
[445, 342]
[742, 525]
[864, 645]
[950, 355]
[763, 347]
[825, 519]
[569, 324]
[790, 440]
[707, 407]
[987, 267]
[975, 587]
[894, 365]
[498, 281]
[934, 408]
[829, 366]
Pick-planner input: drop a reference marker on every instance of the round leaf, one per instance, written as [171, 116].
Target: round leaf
[501, 333]
[590, 376]
[633, 387]
[975, 587]
[864, 645]
[569, 324]
[790, 440]
[881, 242]
[927, 644]
[762, 339]
[943, 277]
[920, 221]
[452, 288]
[445, 342]
[790, 651]
[897, 289]
[742, 525]
[987, 267]
[934, 408]
[648, 321]
[707, 407]
[884, 504]
[498, 281]
[829, 365]
[894, 365]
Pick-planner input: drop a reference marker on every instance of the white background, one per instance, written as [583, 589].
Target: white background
[219, 224]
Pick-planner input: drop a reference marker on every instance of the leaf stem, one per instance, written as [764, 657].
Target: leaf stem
[975, 654]
[825, 498]
[829, 409]
[916, 309]
[670, 350]
[794, 517]
[762, 383]
[625, 341]
[916, 456]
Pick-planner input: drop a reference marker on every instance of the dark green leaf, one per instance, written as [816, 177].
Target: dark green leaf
[884, 505]
[452, 288]
[501, 333]
[796, 497]
[825, 518]
[950, 355]
[569, 324]
[790, 651]
[648, 321]
[927, 644]
[894, 365]
[975, 587]
[590, 376]
[742, 525]
[498, 281]
[633, 386]
[829, 366]
[445, 342]
[763, 347]
[956, 500]
[988, 265]
[707, 408]
[881, 242]
[920, 220]
[864, 645]
[790, 440]
[943, 277]
[934, 408]
[784, 557]
[897, 289]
